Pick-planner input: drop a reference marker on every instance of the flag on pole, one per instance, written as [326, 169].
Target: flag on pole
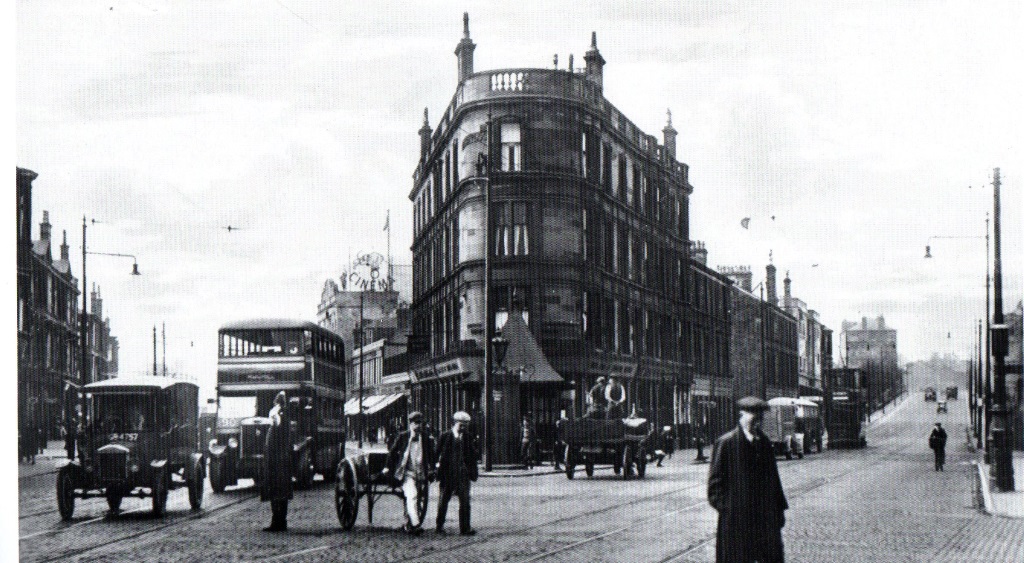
[387, 221]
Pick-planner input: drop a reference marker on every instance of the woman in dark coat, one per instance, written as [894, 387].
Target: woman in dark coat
[744, 487]
[277, 474]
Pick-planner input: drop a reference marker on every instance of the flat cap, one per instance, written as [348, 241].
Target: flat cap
[751, 404]
[461, 416]
[415, 416]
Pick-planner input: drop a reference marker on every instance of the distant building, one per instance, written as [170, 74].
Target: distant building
[364, 294]
[871, 346]
[49, 325]
[48, 337]
[763, 339]
[810, 333]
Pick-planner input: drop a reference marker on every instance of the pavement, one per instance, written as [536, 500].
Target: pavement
[53, 458]
[1011, 503]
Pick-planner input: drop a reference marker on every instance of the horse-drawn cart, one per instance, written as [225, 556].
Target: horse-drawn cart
[620, 442]
[360, 474]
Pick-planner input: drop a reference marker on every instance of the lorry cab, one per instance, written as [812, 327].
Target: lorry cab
[141, 439]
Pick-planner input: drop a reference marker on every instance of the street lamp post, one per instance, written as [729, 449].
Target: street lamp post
[69, 410]
[483, 173]
[1002, 454]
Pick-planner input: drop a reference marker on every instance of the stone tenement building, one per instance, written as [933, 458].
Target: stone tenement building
[589, 238]
[871, 346]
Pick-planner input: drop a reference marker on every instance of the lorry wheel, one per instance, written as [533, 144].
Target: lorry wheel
[160, 492]
[65, 493]
[217, 475]
[570, 463]
[589, 468]
[195, 485]
[641, 466]
[304, 471]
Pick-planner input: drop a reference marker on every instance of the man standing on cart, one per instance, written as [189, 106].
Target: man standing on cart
[411, 461]
[456, 468]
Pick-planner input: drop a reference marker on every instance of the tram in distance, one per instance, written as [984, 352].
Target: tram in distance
[257, 359]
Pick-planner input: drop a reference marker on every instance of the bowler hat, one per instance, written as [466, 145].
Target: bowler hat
[415, 416]
[751, 404]
[461, 416]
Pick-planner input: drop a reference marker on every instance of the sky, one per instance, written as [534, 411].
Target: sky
[848, 132]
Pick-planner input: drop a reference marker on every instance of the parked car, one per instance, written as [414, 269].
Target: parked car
[941, 407]
[929, 394]
[951, 393]
[141, 440]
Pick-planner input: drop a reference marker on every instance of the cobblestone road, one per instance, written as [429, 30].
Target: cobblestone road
[883, 503]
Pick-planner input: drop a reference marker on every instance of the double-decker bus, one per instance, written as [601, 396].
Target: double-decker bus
[257, 359]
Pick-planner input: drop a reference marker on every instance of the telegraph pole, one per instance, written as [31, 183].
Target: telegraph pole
[1002, 454]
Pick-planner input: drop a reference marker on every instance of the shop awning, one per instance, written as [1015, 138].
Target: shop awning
[524, 353]
[352, 405]
[386, 401]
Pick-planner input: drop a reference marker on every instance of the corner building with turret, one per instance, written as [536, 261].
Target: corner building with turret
[589, 229]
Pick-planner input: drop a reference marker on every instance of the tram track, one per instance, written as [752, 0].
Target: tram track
[485, 538]
[167, 522]
[798, 491]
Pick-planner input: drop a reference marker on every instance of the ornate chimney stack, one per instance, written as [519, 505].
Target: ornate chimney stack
[595, 62]
[425, 133]
[769, 283]
[670, 137]
[787, 297]
[464, 50]
[64, 247]
[44, 227]
[699, 252]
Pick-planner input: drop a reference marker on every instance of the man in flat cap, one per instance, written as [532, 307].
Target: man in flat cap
[411, 463]
[744, 487]
[456, 468]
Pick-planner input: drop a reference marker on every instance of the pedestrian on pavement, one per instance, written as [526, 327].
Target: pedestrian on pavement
[411, 463]
[744, 487]
[559, 449]
[668, 441]
[277, 470]
[525, 451]
[596, 402]
[937, 442]
[456, 468]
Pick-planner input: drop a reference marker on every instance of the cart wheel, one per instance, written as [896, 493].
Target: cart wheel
[570, 463]
[160, 492]
[346, 497]
[589, 468]
[641, 465]
[217, 482]
[195, 484]
[65, 493]
[114, 500]
[304, 470]
[627, 461]
[368, 492]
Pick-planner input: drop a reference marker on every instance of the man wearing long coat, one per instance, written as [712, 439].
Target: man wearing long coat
[456, 468]
[937, 442]
[277, 470]
[744, 487]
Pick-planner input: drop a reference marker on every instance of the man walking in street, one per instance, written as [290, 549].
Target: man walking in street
[411, 462]
[456, 468]
[937, 442]
[744, 487]
[277, 470]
